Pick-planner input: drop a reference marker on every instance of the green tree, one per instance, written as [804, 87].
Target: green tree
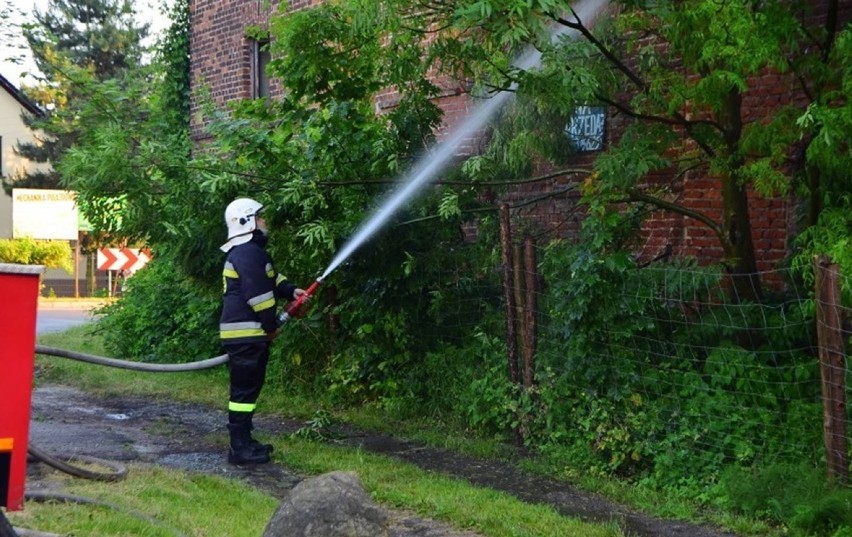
[823, 162]
[318, 158]
[131, 168]
[680, 72]
[73, 41]
[130, 165]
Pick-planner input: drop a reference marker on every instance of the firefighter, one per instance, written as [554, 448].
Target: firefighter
[248, 323]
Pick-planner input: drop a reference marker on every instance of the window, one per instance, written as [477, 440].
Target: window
[259, 60]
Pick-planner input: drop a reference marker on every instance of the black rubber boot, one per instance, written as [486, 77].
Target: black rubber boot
[242, 451]
[268, 448]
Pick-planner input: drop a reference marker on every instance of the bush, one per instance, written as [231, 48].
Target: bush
[653, 374]
[26, 251]
[163, 316]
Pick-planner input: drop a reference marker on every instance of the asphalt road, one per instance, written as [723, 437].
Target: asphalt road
[56, 320]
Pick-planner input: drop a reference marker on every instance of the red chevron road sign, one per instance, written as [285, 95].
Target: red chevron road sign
[127, 259]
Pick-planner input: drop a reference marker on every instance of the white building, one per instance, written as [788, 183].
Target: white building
[13, 103]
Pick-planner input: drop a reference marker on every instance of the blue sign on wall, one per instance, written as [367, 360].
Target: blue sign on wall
[587, 128]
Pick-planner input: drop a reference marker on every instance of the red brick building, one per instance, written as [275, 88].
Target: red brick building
[228, 65]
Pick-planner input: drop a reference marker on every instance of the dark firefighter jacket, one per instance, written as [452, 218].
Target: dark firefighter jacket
[251, 288]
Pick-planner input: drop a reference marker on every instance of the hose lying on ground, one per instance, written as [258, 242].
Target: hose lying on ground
[25, 532]
[136, 366]
[119, 471]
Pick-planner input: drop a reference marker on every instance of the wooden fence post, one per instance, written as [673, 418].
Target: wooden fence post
[508, 291]
[506, 258]
[530, 308]
[518, 278]
[832, 368]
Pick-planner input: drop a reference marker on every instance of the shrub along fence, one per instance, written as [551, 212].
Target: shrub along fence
[654, 372]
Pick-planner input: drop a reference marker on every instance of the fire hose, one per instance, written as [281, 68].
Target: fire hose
[119, 471]
[127, 364]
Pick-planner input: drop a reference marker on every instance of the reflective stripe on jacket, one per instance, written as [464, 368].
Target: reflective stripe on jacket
[251, 289]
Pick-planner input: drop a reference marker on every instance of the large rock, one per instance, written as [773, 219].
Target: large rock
[330, 505]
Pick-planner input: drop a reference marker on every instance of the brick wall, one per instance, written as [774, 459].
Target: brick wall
[774, 220]
[221, 54]
[221, 57]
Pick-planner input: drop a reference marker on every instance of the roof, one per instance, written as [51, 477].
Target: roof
[19, 96]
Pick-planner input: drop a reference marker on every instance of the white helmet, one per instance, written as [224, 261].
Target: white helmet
[240, 219]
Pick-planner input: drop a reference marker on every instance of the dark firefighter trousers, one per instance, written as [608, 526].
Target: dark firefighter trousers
[247, 364]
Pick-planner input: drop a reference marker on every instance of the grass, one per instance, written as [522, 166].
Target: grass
[405, 486]
[211, 506]
[152, 502]
[210, 388]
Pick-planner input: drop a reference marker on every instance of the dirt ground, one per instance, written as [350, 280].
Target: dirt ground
[69, 422]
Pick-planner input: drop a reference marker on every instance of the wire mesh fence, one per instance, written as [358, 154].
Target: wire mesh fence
[655, 370]
[660, 365]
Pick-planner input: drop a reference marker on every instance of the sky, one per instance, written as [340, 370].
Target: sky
[10, 41]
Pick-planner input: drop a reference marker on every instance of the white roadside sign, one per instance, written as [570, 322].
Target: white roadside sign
[44, 214]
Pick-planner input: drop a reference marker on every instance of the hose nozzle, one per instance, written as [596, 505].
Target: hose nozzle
[295, 307]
